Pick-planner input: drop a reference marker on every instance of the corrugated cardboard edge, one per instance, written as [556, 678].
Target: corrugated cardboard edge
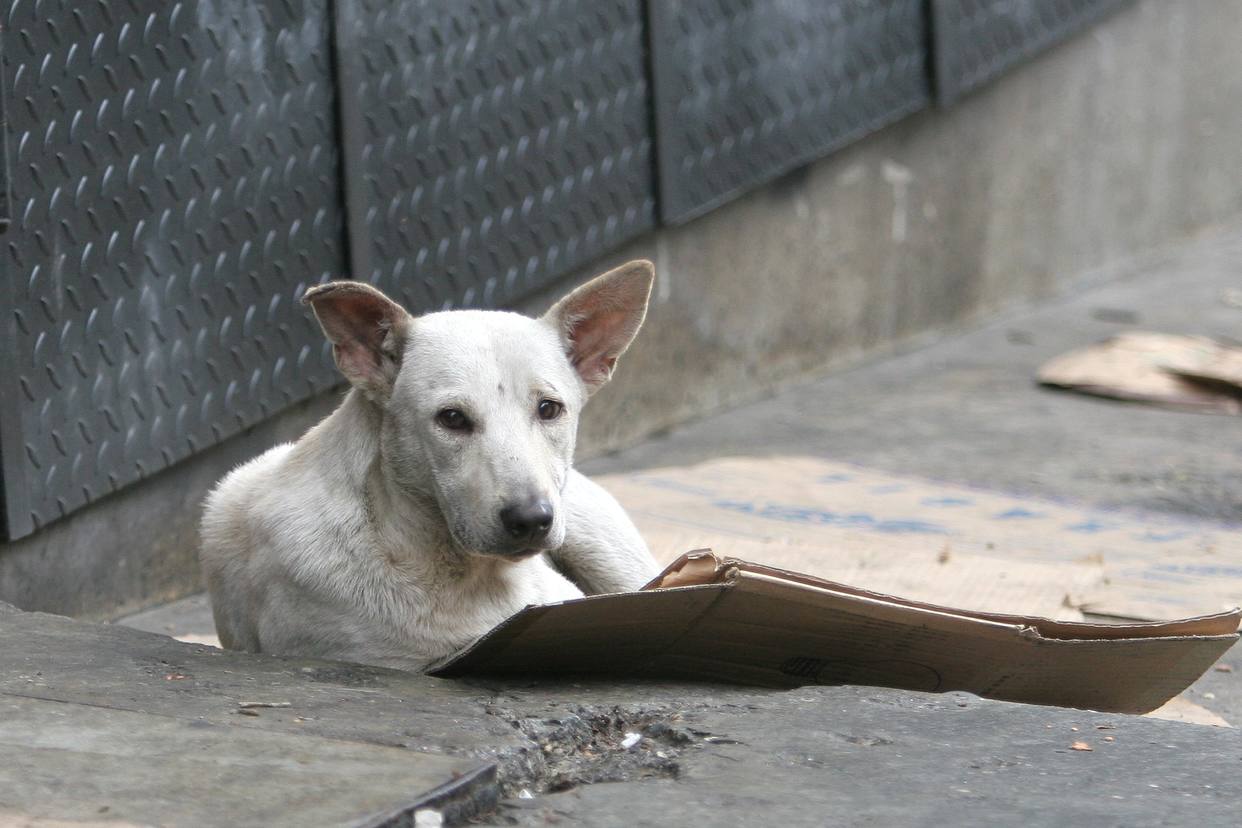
[499, 637]
[1122, 668]
[650, 648]
[704, 566]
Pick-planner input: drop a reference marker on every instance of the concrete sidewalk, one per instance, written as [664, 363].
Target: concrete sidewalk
[108, 723]
[967, 409]
[963, 410]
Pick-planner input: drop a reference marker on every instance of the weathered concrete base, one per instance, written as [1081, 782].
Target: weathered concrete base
[83, 763]
[1118, 141]
[854, 756]
[704, 754]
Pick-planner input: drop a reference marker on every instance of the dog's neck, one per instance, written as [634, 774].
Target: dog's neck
[407, 526]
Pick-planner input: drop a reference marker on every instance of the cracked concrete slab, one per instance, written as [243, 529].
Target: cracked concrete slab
[638, 753]
[56, 658]
[80, 762]
[859, 756]
[106, 723]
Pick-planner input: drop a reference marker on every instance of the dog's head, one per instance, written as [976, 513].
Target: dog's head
[480, 408]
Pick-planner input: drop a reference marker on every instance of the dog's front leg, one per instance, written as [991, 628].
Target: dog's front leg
[603, 551]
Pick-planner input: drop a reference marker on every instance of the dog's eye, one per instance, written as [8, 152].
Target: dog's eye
[453, 419]
[550, 409]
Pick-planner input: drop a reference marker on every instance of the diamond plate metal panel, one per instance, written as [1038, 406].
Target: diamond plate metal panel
[746, 90]
[491, 145]
[175, 187]
[976, 40]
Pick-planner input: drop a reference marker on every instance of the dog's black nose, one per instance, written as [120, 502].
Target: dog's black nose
[527, 521]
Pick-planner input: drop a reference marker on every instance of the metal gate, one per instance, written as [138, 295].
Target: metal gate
[175, 173]
[977, 40]
[748, 89]
[491, 146]
[175, 186]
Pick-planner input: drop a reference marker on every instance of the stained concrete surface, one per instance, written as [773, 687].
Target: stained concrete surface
[87, 763]
[699, 754]
[857, 756]
[188, 620]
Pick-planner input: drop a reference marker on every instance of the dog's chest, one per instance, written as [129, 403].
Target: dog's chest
[441, 610]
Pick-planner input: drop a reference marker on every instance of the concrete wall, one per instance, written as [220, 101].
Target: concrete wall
[1122, 139]
[1116, 142]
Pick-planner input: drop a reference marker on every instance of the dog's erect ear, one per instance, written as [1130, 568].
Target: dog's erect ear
[367, 331]
[598, 321]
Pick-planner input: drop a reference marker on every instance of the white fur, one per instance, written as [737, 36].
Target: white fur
[375, 537]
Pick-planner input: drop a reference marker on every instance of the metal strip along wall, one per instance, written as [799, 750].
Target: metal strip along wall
[977, 40]
[6, 203]
[746, 90]
[493, 145]
[175, 187]
[13, 498]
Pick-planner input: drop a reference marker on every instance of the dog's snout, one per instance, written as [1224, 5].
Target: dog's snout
[527, 521]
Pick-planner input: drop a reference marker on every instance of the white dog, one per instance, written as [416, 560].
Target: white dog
[424, 510]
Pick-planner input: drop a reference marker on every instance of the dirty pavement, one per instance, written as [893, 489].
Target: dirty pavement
[1140, 508]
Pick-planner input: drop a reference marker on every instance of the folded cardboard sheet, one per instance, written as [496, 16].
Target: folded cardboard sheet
[724, 619]
[1176, 371]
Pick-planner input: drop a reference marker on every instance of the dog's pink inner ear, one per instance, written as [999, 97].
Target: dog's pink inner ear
[359, 321]
[599, 320]
[358, 329]
[595, 342]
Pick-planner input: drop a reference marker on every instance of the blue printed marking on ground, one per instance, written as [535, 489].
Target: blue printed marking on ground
[1090, 527]
[835, 478]
[1018, 513]
[947, 501]
[1201, 570]
[888, 488]
[673, 485]
[1163, 577]
[1164, 537]
[821, 517]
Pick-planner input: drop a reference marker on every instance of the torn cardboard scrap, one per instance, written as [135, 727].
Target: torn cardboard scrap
[723, 619]
[1189, 372]
[935, 570]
